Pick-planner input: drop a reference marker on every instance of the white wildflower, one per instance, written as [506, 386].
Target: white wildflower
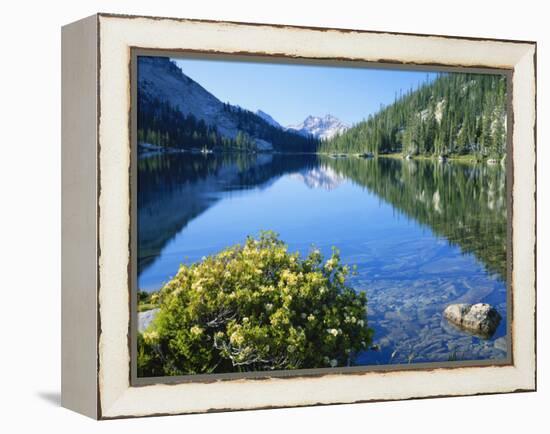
[236, 338]
[333, 332]
[329, 265]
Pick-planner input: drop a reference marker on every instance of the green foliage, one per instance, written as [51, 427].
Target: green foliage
[145, 301]
[453, 114]
[148, 361]
[144, 297]
[256, 307]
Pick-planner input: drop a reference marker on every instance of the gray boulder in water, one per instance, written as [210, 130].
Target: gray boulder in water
[480, 319]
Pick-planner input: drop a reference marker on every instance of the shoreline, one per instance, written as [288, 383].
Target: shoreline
[466, 158]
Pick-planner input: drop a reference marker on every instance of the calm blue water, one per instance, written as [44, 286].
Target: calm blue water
[422, 235]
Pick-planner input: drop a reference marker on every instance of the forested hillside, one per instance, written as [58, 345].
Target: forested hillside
[176, 111]
[161, 124]
[452, 115]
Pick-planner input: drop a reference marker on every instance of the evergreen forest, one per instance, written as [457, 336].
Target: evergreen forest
[455, 114]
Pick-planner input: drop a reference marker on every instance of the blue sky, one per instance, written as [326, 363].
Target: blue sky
[289, 93]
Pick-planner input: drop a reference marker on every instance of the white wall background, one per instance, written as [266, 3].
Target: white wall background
[30, 216]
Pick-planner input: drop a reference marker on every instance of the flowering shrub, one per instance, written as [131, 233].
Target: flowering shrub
[255, 307]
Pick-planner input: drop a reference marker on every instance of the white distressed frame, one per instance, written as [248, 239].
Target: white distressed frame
[116, 35]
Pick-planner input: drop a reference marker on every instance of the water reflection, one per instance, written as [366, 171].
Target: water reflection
[465, 203]
[422, 234]
[175, 188]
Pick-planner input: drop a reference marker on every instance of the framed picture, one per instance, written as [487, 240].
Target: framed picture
[262, 216]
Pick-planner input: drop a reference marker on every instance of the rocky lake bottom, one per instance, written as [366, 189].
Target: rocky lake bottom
[406, 299]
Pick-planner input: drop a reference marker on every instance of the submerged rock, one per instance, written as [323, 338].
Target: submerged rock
[480, 319]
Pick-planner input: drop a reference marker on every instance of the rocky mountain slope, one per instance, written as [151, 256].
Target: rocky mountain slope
[266, 117]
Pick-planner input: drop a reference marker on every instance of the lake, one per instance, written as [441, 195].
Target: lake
[422, 234]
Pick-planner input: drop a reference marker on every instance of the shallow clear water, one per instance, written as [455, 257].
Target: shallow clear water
[422, 234]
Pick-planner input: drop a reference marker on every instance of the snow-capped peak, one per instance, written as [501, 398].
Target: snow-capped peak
[321, 127]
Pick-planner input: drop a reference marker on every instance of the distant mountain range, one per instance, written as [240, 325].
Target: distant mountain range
[176, 111]
[320, 127]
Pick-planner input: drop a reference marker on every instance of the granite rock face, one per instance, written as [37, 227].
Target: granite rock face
[480, 319]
